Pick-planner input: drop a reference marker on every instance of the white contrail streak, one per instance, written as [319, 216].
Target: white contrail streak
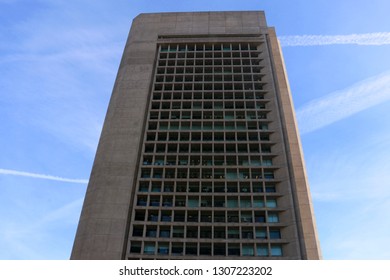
[373, 39]
[41, 176]
[342, 104]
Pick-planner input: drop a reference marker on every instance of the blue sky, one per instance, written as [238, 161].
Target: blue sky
[58, 62]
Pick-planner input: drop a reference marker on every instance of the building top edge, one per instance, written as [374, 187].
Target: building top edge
[201, 12]
[213, 18]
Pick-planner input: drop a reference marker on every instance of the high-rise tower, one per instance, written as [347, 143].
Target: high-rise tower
[199, 156]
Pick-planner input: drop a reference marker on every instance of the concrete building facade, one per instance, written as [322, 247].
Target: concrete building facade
[199, 156]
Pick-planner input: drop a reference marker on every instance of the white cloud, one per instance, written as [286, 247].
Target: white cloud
[376, 39]
[42, 176]
[344, 103]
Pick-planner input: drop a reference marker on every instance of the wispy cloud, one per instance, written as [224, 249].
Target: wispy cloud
[61, 65]
[38, 238]
[344, 103]
[377, 39]
[41, 176]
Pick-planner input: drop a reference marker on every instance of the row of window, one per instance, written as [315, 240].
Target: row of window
[152, 231]
[206, 125]
[208, 95]
[205, 187]
[206, 201]
[200, 47]
[199, 69]
[207, 173]
[208, 160]
[198, 105]
[208, 54]
[200, 77]
[203, 216]
[207, 148]
[217, 57]
[207, 249]
[216, 216]
[206, 115]
[228, 61]
[208, 86]
[207, 136]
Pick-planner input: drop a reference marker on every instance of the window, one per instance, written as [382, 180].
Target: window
[219, 249]
[246, 217]
[233, 217]
[193, 202]
[261, 233]
[163, 249]
[276, 250]
[262, 250]
[259, 217]
[138, 231]
[219, 232]
[247, 233]
[273, 218]
[153, 216]
[139, 215]
[205, 249]
[245, 202]
[166, 216]
[145, 173]
[270, 189]
[258, 202]
[177, 249]
[268, 174]
[234, 250]
[191, 249]
[192, 216]
[274, 234]
[247, 250]
[149, 248]
[192, 232]
[179, 216]
[151, 232]
[271, 203]
[232, 202]
[219, 217]
[178, 232]
[233, 233]
[167, 201]
[141, 201]
[165, 232]
[154, 201]
[135, 247]
[143, 187]
[156, 187]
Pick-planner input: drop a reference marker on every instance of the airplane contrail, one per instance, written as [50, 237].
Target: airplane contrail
[341, 104]
[372, 39]
[41, 176]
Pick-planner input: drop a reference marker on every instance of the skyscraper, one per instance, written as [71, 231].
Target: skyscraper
[199, 157]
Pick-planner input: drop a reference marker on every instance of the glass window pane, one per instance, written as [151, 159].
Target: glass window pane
[273, 218]
[149, 249]
[274, 234]
[247, 250]
[262, 250]
[271, 203]
[276, 250]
